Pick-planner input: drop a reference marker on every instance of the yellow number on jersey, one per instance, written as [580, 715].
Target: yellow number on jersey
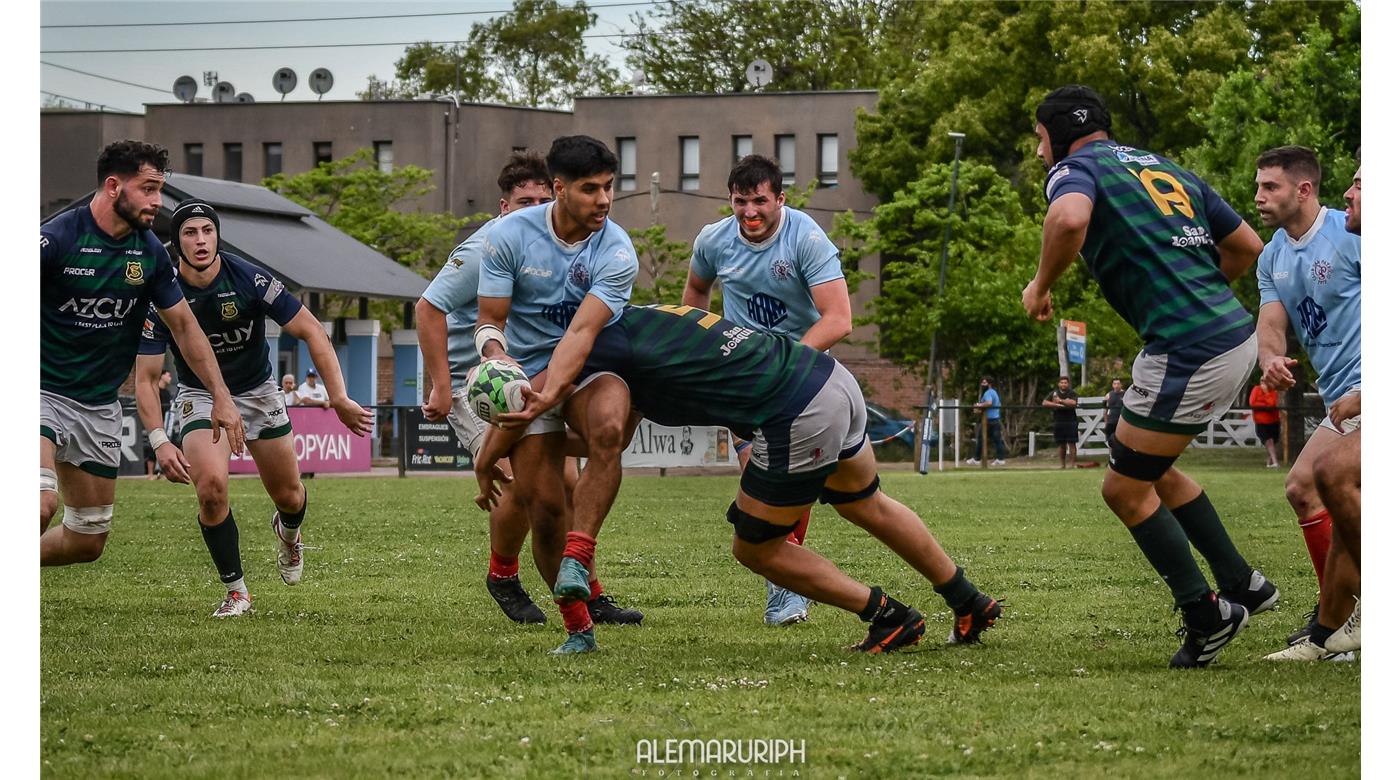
[705, 322]
[1173, 198]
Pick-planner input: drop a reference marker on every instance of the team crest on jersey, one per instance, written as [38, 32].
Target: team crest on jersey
[229, 310]
[187, 408]
[578, 275]
[134, 273]
[1322, 271]
[781, 269]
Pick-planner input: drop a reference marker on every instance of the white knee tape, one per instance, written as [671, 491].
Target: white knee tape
[88, 519]
[48, 480]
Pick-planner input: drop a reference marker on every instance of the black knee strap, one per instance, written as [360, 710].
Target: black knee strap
[834, 497]
[1137, 465]
[755, 530]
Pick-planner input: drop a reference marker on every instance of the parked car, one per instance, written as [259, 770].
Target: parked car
[882, 423]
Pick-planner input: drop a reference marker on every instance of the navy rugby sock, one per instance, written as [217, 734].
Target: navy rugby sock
[222, 541]
[1202, 525]
[1164, 543]
[291, 521]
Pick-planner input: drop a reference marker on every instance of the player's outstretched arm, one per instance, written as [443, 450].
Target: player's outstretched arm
[172, 461]
[306, 327]
[1066, 224]
[1239, 251]
[194, 345]
[572, 351]
[697, 291]
[492, 313]
[494, 446]
[833, 302]
[432, 342]
[1271, 333]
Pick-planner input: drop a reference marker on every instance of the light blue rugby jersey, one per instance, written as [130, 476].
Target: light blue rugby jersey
[453, 291]
[767, 286]
[1318, 281]
[546, 279]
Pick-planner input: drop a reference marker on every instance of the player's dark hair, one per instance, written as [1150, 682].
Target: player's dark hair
[987, 378]
[1299, 162]
[1064, 379]
[573, 157]
[752, 171]
[522, 168]
[125, 158]
[1070, 113]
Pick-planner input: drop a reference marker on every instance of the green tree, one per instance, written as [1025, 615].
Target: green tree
[370, 205]
[665, 263]
[533, 56]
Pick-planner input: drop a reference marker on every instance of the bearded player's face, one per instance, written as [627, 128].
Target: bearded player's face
[138, 197]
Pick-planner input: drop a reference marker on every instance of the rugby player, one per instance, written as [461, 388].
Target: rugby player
[1164, 248]
[780, 274]
[230, 298]
[100, 270]
[1310, 276]
[552, 276]
[446, 317]
[805, 415]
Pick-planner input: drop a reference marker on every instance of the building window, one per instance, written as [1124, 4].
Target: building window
[321, 150]
[743, 147]
[272, 159]
[786, 146]
[384, 156]
[233, 162]
[194, 159]
[828, 161]
[626, 164]
[690, 163]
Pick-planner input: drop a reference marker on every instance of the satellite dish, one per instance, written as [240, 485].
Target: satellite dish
[223, 92]
[284, 81]
[185, 89]
[759, 73]
[321, 81]
[243, 97]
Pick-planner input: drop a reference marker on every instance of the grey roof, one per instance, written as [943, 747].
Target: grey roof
[305, 251]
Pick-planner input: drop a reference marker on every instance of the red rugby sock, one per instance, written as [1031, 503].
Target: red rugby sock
[799, 534]
[503, 568]
[579, 546]
[1317, 535]
[575, 615]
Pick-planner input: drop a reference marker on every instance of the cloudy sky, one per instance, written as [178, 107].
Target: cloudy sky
[87, 49]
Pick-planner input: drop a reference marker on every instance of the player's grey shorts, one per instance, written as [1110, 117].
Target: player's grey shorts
[791, 458]
[1183, 391]
[468, 427]
[263, 411]
[552, 421]
[88, 437]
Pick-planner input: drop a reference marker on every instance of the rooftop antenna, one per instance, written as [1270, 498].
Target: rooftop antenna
[211, 77]
[321, 82]
[185, 89]
[759, 74]
[224, 92]
[243, 97]
[284, 81]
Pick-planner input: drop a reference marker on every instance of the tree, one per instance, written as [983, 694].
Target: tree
[665, 263]
[532, 56]
[368, 204]
[706, 46]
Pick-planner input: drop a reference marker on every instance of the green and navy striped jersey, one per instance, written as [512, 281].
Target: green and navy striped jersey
[1151, 243]
[94, 292]
[687, 366]
[230, 311]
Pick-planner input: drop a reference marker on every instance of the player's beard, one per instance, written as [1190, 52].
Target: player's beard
[132, 216]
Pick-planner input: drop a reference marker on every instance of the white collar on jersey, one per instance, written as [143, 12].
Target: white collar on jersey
[1312, 231]
[565, 245]
[767, 242]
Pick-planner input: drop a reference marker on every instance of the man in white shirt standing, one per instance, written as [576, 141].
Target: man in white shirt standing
[311, 392]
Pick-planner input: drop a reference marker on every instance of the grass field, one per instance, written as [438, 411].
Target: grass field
[391, 660]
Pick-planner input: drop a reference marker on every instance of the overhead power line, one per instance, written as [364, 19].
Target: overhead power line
[309, 19]
[104, 78]
[144, 50]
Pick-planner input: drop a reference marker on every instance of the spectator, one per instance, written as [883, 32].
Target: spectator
[1113, 402]
[1264, 403]
[1065, 402]
[289, 391]
[163, 385]
[989, 404]
[312, 393]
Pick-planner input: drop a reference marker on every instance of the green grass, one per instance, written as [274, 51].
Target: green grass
[391, 660]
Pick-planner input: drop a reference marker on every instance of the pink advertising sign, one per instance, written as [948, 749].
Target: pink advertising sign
[322, 444]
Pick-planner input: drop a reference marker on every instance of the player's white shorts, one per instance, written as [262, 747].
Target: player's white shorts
[88, 437]
[1184, 390]
[263, 411]
[552, 421]
[468, 427]
[1348, 425]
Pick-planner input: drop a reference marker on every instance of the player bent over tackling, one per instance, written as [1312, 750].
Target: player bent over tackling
[806, 417]
[230, 297]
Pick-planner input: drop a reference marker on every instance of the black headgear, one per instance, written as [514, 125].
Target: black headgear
[194, 208]
[1070, 113]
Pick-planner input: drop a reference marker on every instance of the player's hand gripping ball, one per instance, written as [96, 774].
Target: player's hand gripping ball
[495, 389]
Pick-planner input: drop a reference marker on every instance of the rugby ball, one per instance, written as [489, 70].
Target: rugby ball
[495, 389]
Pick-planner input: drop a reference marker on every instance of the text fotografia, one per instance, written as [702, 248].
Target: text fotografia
[702, 752]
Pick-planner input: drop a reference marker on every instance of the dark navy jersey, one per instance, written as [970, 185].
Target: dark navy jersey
[687, 366]
[94, 293]
[230, 311]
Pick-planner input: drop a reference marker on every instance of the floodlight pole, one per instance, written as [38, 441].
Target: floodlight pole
[934, 383]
